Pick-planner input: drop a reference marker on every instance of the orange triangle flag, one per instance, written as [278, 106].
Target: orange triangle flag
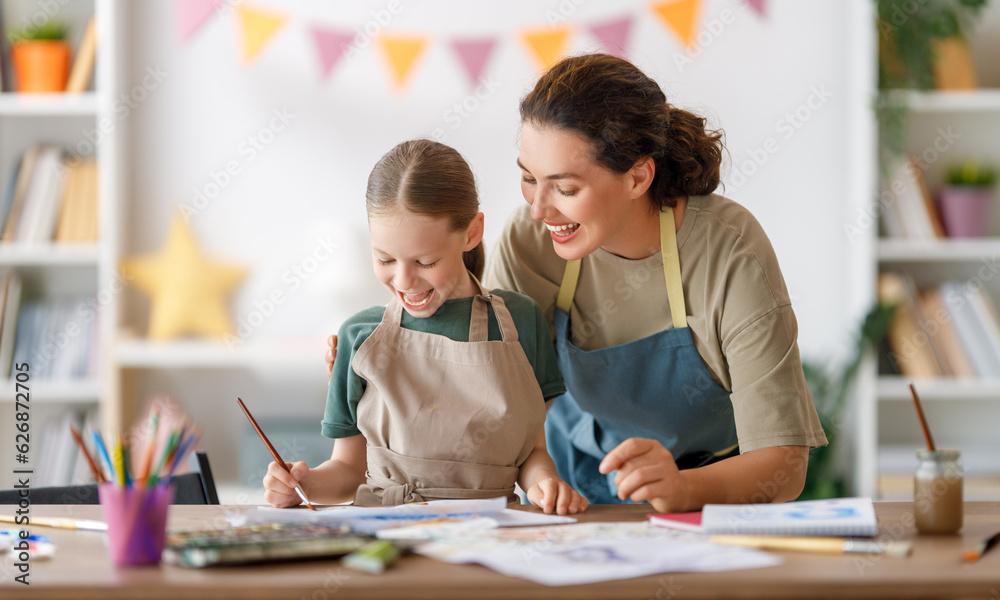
[402, 53]
[548, 44]
[258, 27]
[681, 16]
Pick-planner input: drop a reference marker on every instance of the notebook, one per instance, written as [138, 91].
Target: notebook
[832, 517]
[260, 543]
[687, 521]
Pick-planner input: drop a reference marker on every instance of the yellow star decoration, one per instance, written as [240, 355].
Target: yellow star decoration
[188, 291]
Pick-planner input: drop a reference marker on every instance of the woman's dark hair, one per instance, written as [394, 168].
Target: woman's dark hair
[430, 179]
[626, 117]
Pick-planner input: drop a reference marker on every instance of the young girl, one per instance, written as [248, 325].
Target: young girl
[441, 393]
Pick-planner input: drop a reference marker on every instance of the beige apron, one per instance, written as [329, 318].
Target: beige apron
[445, 419]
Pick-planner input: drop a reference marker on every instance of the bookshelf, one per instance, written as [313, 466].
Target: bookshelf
[960, 410]
[63, 271]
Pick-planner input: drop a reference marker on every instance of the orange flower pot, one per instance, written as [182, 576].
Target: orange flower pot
[41, 65]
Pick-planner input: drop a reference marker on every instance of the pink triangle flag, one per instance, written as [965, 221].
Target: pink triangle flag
[330, 45]
[474, 53]
[192, 14]
[614, 35]
[758, 6]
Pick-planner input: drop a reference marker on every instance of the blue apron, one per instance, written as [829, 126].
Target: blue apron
[656, 387]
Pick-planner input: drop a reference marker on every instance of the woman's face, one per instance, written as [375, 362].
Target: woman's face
[584, 205]
[420, 260]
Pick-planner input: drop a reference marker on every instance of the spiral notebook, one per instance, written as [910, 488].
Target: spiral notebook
[833, 517]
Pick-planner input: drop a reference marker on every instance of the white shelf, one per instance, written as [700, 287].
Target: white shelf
[894, 388]
[48, 105]
[205, 354]
[79, 391]
[981, 100]
[48, 254]
[950, 250]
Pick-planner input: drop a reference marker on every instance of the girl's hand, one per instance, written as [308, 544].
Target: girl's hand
[555, 495]
[647, 473]
[331, 354]
[279, 486]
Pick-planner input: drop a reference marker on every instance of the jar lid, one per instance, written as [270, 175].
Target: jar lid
[939, 454]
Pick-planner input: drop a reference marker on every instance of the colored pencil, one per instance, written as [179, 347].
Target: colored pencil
[98, 474]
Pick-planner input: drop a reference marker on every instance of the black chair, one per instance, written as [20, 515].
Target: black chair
[194, 487]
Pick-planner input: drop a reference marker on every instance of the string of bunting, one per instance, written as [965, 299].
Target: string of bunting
[258, 25]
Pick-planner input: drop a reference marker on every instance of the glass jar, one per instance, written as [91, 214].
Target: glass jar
[937, 492]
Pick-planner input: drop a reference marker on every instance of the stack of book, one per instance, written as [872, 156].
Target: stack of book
[58, 338]
[50, 198]
[949, 330]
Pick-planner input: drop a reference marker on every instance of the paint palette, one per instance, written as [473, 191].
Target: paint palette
[259, 543]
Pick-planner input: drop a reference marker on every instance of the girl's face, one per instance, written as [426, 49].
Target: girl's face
[584, 205]
[420, 260]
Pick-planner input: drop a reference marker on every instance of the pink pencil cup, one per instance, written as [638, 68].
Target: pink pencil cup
[137, 522]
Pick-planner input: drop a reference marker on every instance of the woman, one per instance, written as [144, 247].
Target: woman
[673, 327]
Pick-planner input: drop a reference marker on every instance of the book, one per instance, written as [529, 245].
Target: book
[944, 335]
[78, 214]
[909, 342]
[8, 329]
[958, 299]
[686, 521]
[83, 64]
[20, 193]
[832, 517]
[911, 212]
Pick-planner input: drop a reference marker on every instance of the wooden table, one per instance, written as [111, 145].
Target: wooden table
[81, 570]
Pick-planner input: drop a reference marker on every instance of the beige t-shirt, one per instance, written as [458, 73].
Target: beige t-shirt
[738, 309]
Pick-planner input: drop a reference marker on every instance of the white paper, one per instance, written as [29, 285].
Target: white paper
[592, 552]
[368, 519]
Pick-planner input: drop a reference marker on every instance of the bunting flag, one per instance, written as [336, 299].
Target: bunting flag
[258, 26]
[681, 16]
[758, 6]
[547, 44]
[330, 45]
[192, 14]
[614, 35]
[473, 53]
[402, 53]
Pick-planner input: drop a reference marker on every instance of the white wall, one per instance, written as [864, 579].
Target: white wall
[749, 76]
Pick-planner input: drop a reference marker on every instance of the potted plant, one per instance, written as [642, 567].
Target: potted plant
[40, 57]
[965, 199]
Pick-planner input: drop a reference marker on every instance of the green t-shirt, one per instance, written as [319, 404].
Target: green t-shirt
[451, 320]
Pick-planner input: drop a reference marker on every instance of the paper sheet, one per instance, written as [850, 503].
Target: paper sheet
[591, 552]
[365, 519]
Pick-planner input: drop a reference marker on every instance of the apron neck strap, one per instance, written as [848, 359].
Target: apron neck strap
[479, 322]
[671, 272]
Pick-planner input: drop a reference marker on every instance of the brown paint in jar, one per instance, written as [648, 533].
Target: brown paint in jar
[937, 492]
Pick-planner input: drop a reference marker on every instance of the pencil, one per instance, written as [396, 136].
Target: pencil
[975, 553]
[814, 544]
[98, 474]
[274, 453]
[61, 522]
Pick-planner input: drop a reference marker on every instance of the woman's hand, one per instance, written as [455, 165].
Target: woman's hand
[647, 473]
[279, 485]
[331, 354]
[555, 495]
